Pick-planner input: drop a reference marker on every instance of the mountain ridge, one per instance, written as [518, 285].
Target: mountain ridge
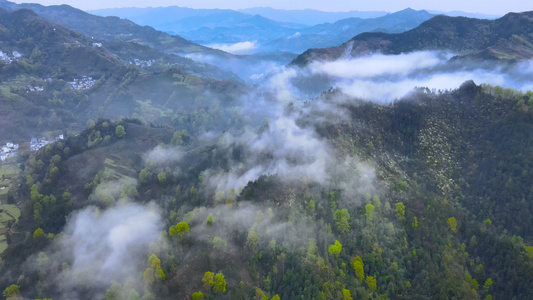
[112, 28]
[466, 36]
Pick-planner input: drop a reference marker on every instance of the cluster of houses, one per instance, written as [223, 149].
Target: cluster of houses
[36, 144]
[85, 83]
[142, 63]
[9, 59]
[8, 150]
[35, 88]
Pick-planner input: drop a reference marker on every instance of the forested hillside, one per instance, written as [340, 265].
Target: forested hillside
[421, 198]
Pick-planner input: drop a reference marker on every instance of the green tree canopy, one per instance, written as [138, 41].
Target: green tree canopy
[341, 218]
[219, 283]
[335, 248]
[453, 224]
[120, 131]
[358, 267]
[369, 211]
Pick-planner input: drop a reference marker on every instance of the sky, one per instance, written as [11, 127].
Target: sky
[495, 7]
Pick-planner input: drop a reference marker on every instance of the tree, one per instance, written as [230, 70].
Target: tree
[487, 285]
[144, 176]
[219, 243]
[12, 291]
[453, 224]
[120, 131]
[400, 210]
[153, 272]
[276, 297]
[358, 267]
[335, 248]
[219, 283]
[162, 178]
[341, 218]
[179, 229]
[369, 211]
[197, 296]
[208, 280]
[38, 233]
[209, 220]
[371, 283]
[252, 240]
[347, 294]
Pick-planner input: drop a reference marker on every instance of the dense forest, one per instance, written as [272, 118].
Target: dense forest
[425, 197]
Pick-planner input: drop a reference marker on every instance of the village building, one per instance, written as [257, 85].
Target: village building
[10, 149]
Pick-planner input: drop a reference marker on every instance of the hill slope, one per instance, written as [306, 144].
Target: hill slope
[506, 38]
[112, 28]
[54, 79]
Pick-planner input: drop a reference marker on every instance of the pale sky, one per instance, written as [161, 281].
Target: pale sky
[495, 7]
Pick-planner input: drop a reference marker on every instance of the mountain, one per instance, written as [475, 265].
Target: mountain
[328, 35]
[255, 28]
[507, 38]
[458, 13]
[175, 19]
[309, 17]
[112, 28]
[54, 79]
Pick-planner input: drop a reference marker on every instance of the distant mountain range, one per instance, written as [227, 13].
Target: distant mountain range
[255, 28]
[508, 38]
[332, 34]
[273, 30]
[181, 19]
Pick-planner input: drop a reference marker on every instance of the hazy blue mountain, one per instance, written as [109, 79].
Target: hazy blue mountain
[458, 13]
[176, 19]
[310, 16]
[331, 34]
[256, 28]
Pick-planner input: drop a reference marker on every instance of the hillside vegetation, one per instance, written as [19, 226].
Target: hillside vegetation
[446, 215]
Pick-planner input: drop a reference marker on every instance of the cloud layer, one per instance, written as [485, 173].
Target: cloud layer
[384, 78]
[237, 48]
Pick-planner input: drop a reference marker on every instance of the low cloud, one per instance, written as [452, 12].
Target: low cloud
[384, 78]
[379, 65]
[237, 48]
[101, 246]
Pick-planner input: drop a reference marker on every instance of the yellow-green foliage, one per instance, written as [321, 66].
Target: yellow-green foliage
[358, 267]
[371, 282]
[335, 248]
[453, 224]
[179, 229]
